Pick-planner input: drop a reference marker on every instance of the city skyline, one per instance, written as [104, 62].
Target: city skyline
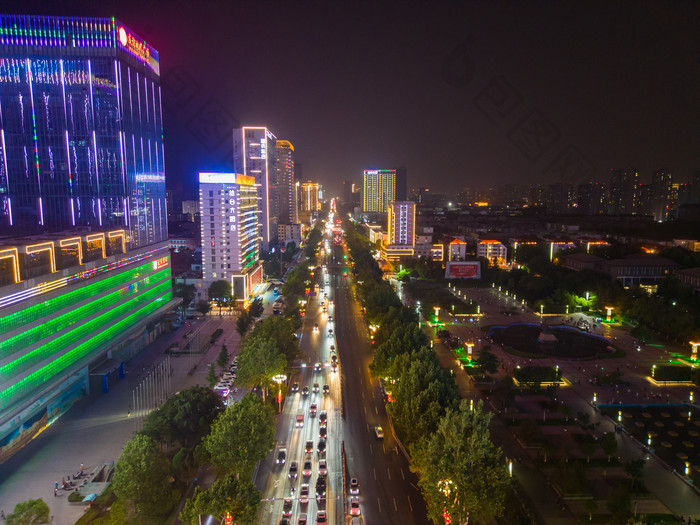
[588, 75]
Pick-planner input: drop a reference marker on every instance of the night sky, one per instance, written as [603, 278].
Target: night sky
[462, 94]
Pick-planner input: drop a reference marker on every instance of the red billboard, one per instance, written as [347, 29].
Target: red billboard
[463, 270]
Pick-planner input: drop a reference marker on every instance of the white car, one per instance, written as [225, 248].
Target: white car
[322, 467]
[379, 431]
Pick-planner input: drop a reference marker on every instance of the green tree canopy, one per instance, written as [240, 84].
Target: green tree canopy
[258, 362]
[184, 418]
[30, 512]
[241, 436]
[243, 323]
[220, 290]
[281, 332]
[228, 496]
[460, 468]
[256, 308]
[141, 477]
[403, 340]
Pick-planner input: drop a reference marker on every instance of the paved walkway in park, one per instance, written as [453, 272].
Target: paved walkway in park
[96, 428]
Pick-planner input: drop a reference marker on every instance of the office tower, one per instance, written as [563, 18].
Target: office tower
[81, 128]
[309, 201]
[378, 190]
[401, 228]
[84, 259]
[623, 191]
[661, 181]
[254, 155]
[288, 205]
[229, 222]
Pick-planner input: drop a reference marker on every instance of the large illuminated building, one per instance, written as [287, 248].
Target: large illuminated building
[230, 242]
[254, 155]
[287, 198]
[84, 260]
[380, 187]
[309, 201]
[401, 231]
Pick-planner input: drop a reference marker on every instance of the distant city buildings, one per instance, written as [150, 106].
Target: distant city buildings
[401, 230]
[309, 202]
[85, 275]
[229, 223]
[380, 187]
[492, 250]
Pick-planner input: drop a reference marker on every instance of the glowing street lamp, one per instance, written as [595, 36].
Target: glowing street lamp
[595, 397]
[469, 349]
[609, 310]
[649, 438]
[510, 468]
[694, 351]
[437, 313]
[541, 309]
[619, 415]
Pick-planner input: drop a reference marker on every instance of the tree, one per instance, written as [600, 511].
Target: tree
[184, 418]
[635, 469]
[241, 436]
[258, 362]
[609, 444]
[187, 292]
[222, 358]
[619, 504]
[243, 323]
[460, 469]
[30, 512]
[487, 361]
[211, 376]
[228, 496]
[203, 307]
[256, 308]
[141, 477]
[220, 291]
[281, 332]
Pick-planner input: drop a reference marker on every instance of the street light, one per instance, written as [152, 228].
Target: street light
[694, 351]
[609, 310]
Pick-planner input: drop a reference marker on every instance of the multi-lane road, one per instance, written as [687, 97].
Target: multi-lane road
[354, 407]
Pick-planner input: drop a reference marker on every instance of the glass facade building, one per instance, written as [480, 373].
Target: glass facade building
[378, 190]
[81, 130]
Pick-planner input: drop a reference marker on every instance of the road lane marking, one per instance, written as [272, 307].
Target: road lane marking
[388, 473]
[409, 503]
[395, 507]
[370, 448]
[365, 410]
[402, 476]
[376, 411]
[375, 473]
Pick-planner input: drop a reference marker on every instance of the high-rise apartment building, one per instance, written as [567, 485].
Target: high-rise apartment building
[560, 198]
[378, 190]
[287, 200]
[309, 201]
[229, 224]
[591, 198]
[254, 155]
[661, 182]
[81, 129]
[623, 192]
[84, 260]
[401, 231]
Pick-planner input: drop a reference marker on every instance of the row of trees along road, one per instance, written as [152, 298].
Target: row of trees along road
[461, 472]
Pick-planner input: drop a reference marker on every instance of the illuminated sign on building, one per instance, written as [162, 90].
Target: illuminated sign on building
[138, 48]
[160, 263]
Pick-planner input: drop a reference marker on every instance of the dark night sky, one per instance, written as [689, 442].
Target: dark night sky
[462, 94]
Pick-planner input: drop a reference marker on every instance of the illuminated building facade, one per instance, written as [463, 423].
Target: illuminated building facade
[254, 155]
[73, 310]
[494, 251]
[309, 201]
[401, 238]
[229, 221]
[287, 200]
[81, 131]
[378, 190]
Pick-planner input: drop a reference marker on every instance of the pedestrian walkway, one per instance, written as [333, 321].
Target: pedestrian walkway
[95, 429]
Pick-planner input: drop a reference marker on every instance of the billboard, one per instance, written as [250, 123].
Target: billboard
[463, 270]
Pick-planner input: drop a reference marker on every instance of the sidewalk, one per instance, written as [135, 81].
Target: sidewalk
[96, 428]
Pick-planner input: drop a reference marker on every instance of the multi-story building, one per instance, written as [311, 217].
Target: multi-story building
[84, 259]
[254, 155]
[492, 250]
[378, 190]
[309, 202]
[623, 191]
[401, 229]
[590, 199]
[190, 209]
[287, 199]
[229, 221]
[287, 233]
[81, 129]
[560, 198]
[661, 182]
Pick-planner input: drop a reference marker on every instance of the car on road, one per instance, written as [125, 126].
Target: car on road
[323, 416]
[284, 521]
[334, 359]
[309, 448]
[332, 348]
[317, 367]
[306, 472]
[312, 409]
[322, 468]
[330, 318]
[281, 456]
[331, 302]
[379, 432]
[323, 432]
[316, 388]
[334, 367]
[304, 494]
[321, 517]
[354, 486]
[322, 303]
[324, 310]
[321, 447]
[325, 294]
[302, 520]
[355, 507]
[321, 488]
[295, 387]
[287, 507]
[293, 470]
[326, 390]
[305, 391]
[300, 421]
[330, 331]
[315, 328]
